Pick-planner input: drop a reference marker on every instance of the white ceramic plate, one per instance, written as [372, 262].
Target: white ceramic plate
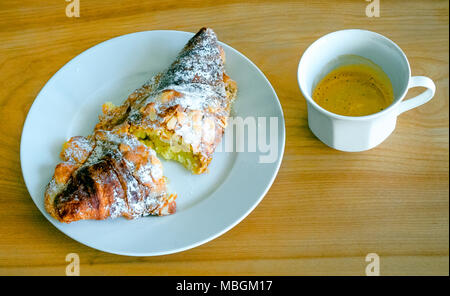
[208, 204]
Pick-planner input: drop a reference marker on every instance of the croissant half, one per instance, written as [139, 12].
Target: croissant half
[182, 112]
[107, 175]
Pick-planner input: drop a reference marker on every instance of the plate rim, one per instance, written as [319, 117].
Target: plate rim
[192, 245]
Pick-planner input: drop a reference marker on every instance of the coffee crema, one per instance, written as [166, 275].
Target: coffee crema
[354, 90]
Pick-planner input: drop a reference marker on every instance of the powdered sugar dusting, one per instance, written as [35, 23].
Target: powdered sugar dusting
[142, 191]
[197, 79]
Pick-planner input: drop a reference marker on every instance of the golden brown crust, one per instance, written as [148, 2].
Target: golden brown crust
[191, 100]
[89, 194]
[117, 176]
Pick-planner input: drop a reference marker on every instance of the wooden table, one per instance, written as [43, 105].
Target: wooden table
[326, 209]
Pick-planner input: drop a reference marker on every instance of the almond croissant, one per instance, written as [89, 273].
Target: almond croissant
[183, 111]
[108, 174]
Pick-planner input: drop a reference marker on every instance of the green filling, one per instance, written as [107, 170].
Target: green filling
[177, 151]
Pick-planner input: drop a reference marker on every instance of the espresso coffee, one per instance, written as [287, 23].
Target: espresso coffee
[354, 90]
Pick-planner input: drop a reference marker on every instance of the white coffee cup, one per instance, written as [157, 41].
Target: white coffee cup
[358, 133]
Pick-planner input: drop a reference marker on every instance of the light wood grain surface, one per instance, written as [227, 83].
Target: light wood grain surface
[326, 209]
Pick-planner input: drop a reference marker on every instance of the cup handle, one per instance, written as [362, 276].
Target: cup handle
[421, 99]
